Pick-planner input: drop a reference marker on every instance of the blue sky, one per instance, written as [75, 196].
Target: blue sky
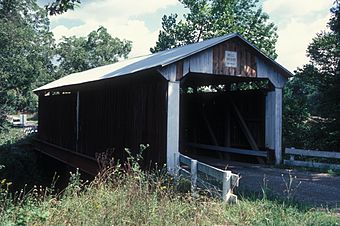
[298, 22]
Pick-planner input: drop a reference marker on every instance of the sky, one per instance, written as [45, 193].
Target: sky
[298, 22]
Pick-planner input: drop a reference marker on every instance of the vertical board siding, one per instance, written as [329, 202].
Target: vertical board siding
[123, 115]
[270, 120]
[57, 119]
[199, 63]
[173, 124]
[246, 62]
[179, 70]
[169, 72]
[118, 114]
[266, 71]
[278, 126]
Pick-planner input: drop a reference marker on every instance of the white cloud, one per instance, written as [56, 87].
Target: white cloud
[293, 8]
[294, 39]
[298, 22]
[118, 16]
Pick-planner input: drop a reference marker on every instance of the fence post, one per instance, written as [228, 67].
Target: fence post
[292, 157]
[193, 169]
[176, 164]
[226, 186]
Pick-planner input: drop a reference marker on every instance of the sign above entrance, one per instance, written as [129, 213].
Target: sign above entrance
[230, 59]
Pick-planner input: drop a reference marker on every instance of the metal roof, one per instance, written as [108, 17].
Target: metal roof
[137, 64]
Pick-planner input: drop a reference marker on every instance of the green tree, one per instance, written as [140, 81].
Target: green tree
[211, 18]
[26, 50]
[97, 49]
[312, 97]
[61, 6]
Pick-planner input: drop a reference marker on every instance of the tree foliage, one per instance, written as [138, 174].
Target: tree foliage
[30, 58]
[26, 50]
[61, 6]
[211, 18]
[312, 97]
[97, 49]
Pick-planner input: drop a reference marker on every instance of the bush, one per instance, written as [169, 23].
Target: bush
[19, 160]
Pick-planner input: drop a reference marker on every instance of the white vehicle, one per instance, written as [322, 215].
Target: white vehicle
[16, 122]
[20, 121]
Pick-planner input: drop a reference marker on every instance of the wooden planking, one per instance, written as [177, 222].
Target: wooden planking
[312, 153]
[124, 114]
[246, 62]
[270, 121]
[185, 160]
[197, 169]
[264, 70]
[173, 123]
[74, 159]
[210, 170]
[185, 173]
[169, 72]
[312, 164]
[179, 70]
[228, 149]
[278, 126]
[113, 114]
[200, 63]
[57, 119]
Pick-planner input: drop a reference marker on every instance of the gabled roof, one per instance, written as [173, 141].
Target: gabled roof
[138, 64]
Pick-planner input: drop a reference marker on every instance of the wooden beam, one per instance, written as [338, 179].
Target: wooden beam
[173, 123]
[312, 153]
[211, 132]
[77, 121]
[244, 126]
[278, 126]
[246, 130]
[69, 157]
[270, 121]
[318, 165]
[228, 149]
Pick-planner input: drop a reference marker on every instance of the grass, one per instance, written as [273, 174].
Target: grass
[133, 197]
[126, 195]
[10, 136]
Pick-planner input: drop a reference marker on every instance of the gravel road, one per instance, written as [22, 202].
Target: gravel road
[317, 189]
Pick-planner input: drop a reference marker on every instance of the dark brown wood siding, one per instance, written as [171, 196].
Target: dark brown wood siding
[246, 63]
[113, 114]
[57, 119]
[124, 114]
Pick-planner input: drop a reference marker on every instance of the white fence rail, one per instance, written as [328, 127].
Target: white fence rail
[216, 181]
[292, 152]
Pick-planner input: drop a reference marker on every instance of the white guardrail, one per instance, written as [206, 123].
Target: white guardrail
[307, 154]
[216, 181]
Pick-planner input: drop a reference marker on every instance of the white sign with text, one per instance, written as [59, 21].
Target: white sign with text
[230, 59]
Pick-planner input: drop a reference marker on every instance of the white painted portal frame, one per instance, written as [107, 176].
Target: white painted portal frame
[273, 136]
[172, 125]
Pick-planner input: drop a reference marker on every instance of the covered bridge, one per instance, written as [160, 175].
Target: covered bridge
[220, 95]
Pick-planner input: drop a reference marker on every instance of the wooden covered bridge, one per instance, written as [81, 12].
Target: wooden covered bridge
[217, 96]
